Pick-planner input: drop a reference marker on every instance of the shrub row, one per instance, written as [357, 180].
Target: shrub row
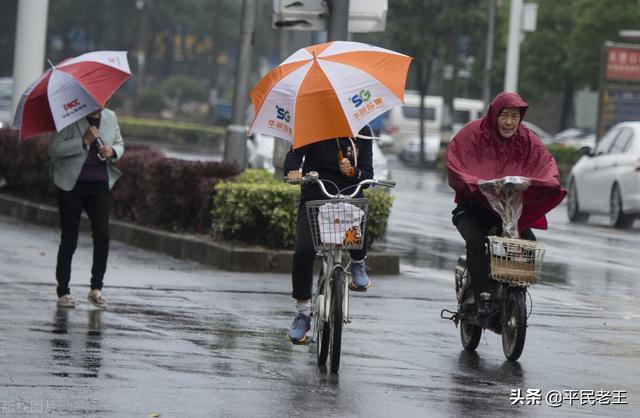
[172, 132]
[153, 191]
[259, 209]
[182, 195]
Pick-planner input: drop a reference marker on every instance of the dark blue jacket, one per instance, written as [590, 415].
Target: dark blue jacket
[323, 158]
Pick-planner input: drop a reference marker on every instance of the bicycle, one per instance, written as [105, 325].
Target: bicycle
[337, 225]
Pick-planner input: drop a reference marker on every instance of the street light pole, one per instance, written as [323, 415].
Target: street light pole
[28, 55]
[338, 20]
[235, 143]
[488, 59]
[143, 7]
[513, 47]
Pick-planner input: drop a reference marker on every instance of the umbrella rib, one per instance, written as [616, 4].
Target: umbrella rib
[382, 85]
[281, 80]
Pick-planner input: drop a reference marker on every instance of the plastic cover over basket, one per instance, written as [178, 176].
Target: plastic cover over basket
[515, 261]
[337, 223]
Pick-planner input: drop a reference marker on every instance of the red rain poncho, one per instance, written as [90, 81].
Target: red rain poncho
[478, 152]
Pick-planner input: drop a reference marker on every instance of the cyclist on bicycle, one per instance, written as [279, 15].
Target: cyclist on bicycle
[344, 162]
[491, 147]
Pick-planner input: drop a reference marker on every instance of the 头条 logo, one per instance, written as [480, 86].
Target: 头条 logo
[70, 105]
[283, 114]
[358, 99]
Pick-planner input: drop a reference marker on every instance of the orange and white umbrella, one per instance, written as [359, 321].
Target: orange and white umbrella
[328, 90]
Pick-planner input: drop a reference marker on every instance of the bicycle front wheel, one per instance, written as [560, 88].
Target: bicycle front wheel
[336, 319]
[515, 328]
[323, 327]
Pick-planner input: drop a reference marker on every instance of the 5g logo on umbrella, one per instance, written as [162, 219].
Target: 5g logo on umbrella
[363, 96]
[283, 114]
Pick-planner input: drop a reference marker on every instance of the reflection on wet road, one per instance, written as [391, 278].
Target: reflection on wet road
[183, 340]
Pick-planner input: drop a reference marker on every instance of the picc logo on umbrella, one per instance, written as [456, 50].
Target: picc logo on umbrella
[72, 107]
[73, 103]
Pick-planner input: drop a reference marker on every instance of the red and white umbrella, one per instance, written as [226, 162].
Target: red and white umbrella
[70, 91]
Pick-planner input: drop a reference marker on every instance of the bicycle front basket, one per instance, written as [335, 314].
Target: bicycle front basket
[515, 261]
[338, 223]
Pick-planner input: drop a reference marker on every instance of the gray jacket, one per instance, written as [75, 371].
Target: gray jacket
[68, 153]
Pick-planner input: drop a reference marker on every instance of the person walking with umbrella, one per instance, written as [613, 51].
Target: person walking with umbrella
[69, 99]
[81, 156]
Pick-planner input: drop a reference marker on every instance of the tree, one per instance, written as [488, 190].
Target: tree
[597, 21]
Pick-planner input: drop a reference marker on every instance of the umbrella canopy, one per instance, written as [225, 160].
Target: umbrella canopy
[328, 90]
[69, 91]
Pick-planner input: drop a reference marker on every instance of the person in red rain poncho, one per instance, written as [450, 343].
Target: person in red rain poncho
[492, 147]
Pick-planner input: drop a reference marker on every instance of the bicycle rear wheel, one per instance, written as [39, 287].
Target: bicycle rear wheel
[514, 329]
[336, 318]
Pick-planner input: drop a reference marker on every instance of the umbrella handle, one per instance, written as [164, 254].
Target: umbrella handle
[99, 141]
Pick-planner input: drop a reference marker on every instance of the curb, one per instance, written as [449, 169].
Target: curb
[200, 248]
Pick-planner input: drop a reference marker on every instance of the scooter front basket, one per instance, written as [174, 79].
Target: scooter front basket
[515, 261]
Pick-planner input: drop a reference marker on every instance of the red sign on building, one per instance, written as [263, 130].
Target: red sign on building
[623, 63]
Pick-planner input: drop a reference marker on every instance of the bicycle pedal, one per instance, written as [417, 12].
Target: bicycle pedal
[306, 341]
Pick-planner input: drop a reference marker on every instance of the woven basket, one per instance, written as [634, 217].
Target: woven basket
[515, 261]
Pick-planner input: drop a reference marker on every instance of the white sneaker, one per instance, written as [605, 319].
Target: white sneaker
[96, 299]
[66, 301]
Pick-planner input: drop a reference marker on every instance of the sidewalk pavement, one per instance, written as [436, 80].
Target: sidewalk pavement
[200, 248]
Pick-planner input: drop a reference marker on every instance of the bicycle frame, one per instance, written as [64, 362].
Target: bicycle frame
[331, 261]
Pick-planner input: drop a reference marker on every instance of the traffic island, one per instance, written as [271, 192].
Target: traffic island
[200, 248]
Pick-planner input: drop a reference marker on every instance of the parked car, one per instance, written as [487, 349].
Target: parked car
[402, 122]
[608, 180]
[544, 136]
[411, 152]
[260, 155]
[582, 139]
[260, 152]
[6, 86]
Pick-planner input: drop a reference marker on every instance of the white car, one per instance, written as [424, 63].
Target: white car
[260, 152]
[582, 139]
[544, 136]
[608, 180]
[411, 152]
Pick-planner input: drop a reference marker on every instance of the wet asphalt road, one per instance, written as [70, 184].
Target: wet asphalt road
[183, 340]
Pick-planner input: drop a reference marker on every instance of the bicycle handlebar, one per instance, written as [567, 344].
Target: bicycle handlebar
[314, 177]
[506, 184]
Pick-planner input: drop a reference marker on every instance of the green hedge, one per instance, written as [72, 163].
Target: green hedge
[171, 131]
[259, 209]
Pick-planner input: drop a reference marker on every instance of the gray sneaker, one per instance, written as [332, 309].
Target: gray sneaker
[66, 301]
[298, 331]
[359, 279]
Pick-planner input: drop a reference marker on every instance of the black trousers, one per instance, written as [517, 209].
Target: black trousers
[475, 228]
[94, 198]
[304, 256]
